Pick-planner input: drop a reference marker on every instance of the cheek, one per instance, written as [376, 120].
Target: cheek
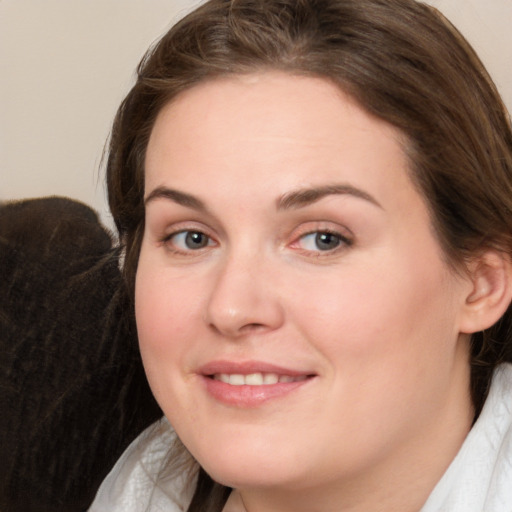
[166, 307]
[385, 356]
[167, 316]
[376, 312]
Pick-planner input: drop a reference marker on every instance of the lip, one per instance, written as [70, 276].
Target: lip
[248, 367]
[247, 396]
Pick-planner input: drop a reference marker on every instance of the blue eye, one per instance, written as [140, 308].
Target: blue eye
[190, 240]
[322, 241]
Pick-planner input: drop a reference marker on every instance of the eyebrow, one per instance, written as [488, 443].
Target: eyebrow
[295, 199]
[176, 196]
[304, 197]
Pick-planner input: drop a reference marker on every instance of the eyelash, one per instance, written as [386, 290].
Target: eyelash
[167, 241]
[342, 242]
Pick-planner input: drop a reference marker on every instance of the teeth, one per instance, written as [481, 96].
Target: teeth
[270, 378]
[224, 377]
[256, 379]
[236, 380]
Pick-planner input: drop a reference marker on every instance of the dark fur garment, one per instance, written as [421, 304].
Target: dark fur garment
[72, 389]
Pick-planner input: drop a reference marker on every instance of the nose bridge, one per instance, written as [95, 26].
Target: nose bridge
[244, 298]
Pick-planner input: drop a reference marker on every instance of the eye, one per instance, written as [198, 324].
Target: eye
[322, 241]
[189, 240]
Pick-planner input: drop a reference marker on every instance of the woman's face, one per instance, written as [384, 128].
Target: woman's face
[297, 320]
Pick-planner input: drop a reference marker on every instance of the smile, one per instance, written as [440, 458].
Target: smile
[252, 383]
[256, 379]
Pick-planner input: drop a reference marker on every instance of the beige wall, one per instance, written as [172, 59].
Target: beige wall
[66, 64]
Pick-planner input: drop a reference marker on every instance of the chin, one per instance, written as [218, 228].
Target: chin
[251, 468]
[254, 477]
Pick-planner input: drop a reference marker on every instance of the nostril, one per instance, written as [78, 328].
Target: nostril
[252, 327]
[244, 329]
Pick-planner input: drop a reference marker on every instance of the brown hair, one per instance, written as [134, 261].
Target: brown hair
[402, 62]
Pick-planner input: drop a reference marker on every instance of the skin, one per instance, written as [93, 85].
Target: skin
[376, 320]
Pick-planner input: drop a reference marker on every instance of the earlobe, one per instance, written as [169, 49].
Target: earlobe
[491, 291]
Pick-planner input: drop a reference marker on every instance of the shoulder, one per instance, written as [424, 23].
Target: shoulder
[141, 479]
[480, 475]
[499, 439]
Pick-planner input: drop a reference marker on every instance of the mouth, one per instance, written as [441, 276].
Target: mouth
[256, 379]
[251, 384]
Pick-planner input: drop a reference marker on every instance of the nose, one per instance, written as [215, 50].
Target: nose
[244, 299]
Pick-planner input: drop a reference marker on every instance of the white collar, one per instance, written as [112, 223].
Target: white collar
[479, 479]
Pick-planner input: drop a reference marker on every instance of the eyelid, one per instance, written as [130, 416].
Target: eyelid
[184, 227]
[175, 234]
[345, 235]
[172, 228]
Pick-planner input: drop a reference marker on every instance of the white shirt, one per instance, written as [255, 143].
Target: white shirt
[134, 484]
[479, 479]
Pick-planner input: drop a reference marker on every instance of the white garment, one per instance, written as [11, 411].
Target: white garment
[478, 480]
[134, 485]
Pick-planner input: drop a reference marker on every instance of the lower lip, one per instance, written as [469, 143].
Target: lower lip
[250, 396]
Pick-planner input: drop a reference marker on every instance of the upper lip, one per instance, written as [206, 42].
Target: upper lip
[247, 368]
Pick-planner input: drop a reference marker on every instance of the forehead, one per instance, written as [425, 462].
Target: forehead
[271, 128]
[280, 101]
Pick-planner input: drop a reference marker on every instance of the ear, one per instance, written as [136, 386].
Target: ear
[490, 277]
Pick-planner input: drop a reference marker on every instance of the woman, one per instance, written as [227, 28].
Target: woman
[315, 200]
